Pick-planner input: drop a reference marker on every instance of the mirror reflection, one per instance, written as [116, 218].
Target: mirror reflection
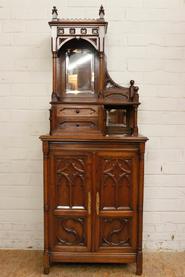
[116, 118]
[79, 71]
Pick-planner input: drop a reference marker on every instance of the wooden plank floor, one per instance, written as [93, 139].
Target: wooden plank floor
[14, 263]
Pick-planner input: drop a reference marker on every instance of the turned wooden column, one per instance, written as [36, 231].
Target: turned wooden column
[46, 208]
[54, 89]
[139, 258]
[101, 89]
[135, 127]
[101, 74]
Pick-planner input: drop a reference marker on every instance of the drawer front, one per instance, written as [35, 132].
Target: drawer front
[79, 110]
[78, 124]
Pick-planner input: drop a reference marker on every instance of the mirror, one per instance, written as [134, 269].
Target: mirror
[117, 121]
[116, 118]
[79, 71]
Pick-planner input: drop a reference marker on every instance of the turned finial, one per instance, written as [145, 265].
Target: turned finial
[136, 89]
[101, 12]
[133, 90]
[54, 13]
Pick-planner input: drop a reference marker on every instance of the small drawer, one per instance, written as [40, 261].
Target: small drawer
[78, 124]
[71, 110]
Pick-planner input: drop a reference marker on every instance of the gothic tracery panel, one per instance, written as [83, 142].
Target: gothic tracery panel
[71, 182]
[115, 232]
[71, 231]
[116, 183]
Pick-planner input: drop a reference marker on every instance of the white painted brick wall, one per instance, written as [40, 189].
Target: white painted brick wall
[145, 42]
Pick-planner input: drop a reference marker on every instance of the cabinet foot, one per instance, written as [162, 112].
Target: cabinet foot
[139, 263]
[46, 270]
[46, 263]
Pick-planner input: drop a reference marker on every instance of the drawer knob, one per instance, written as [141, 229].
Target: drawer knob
[77, 125]
[77, 111]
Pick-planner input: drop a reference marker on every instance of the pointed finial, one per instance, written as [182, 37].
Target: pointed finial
[101, 12]
[54, 13]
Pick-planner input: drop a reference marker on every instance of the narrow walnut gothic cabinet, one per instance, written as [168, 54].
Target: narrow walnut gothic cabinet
[93, 156]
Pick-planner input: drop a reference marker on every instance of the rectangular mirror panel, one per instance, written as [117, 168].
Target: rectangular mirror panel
[79, 71]
[116, 117]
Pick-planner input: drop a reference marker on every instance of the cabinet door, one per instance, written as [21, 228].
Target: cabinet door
[70, 201]
[116, 201]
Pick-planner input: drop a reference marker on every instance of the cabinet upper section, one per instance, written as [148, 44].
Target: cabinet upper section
[80, 78]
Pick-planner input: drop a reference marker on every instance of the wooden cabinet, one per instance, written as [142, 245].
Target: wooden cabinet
[93, 156]
[93, 193]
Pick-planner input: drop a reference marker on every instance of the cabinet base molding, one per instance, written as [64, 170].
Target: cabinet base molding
[90, 257]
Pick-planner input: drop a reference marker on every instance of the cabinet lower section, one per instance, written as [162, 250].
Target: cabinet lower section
[93, 198]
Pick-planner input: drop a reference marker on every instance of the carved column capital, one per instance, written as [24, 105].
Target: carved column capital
[45, 149]
[141, 151]
[54, 54]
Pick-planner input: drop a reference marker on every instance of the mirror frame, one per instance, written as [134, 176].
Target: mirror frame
[61, 71]
[86, 66]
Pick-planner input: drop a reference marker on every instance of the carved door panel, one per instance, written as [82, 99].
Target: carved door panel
[116, 201]
[70, 194]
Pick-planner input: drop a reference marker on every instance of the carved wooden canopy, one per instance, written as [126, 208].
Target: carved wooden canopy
[91, 30]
